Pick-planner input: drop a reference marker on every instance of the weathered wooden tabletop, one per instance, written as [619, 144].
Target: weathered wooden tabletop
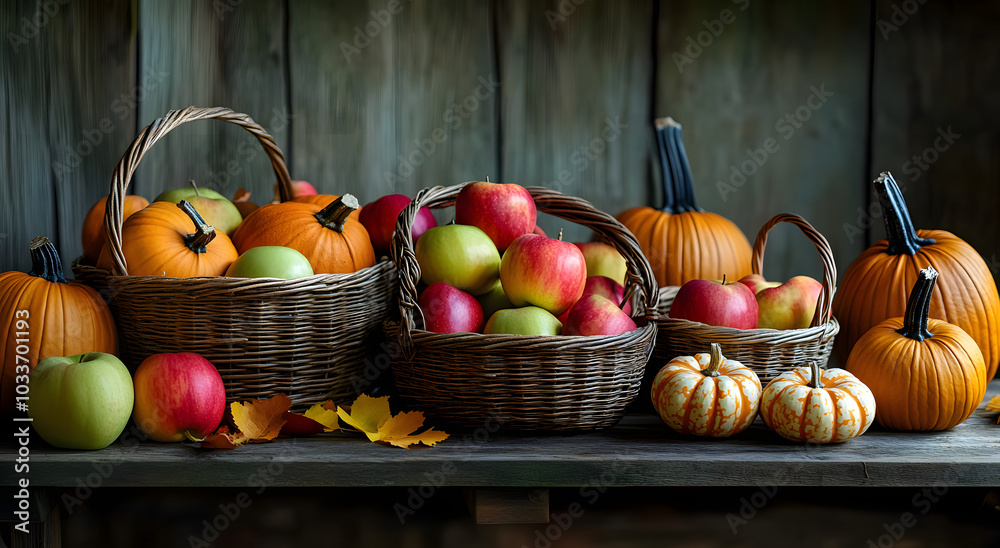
[640, 451]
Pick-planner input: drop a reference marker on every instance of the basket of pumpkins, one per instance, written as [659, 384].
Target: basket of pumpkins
[712, 284]
[290, 299]
[501, 326]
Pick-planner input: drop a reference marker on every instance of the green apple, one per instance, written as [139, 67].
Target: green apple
[529, 320]
[270, 261]
[215, 208]
[603, 260]
[461, 256]
[82, 401]
[494, 299]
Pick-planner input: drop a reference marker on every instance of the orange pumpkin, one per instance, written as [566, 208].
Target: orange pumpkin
[331, 237]
[877, 284]
[706, 394]
[812, 405]
[682, 241]
[43, 315]
[93, 234]
[157, 241]
[323, 200]
[926, 374]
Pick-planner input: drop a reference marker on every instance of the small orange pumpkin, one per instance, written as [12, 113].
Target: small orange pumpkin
[682, 241]
[814, 405]
[330, 236]
[43, 315]
[877, 284]
[93, 235]
[157, 242]
[925, 374]
[706, 394]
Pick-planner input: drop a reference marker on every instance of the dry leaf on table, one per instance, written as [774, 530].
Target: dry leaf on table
[261, 420]
[373, 417]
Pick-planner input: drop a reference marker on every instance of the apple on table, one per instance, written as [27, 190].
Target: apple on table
[544, 272]
[716, 303]
[789, 305]
[502, 211]
[178, 396]
[215, 208]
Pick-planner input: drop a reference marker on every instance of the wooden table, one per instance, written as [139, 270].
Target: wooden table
[509, 474]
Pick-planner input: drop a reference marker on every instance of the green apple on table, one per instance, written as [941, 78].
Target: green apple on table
[528, 320]
[270, 261]
[789, 305]
[82, 401]
[215, 208]
[461, 256]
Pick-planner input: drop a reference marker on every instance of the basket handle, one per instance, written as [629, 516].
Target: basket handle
[824, 310]
[576, 210]
[114, 212]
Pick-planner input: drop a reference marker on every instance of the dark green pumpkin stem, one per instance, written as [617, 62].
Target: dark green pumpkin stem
[678, 185]
[715, 351]
[335, 215]
[918, 306]
[899, 229]
[204, 232]
[816, 380]
[45, 261]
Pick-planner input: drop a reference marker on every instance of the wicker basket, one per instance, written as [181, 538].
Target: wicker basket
[769, 352]
[307, 338]
[535, 383]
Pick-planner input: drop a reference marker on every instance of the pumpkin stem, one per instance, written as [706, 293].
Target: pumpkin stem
[204, 232]
[335, 215]
[45, 261]
[817, 375]
[715, 353]
[899, 229]
[918, 306]
[678, 185]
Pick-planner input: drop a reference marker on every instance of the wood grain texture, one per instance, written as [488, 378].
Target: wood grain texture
[733, 86]
[509, 505]
[391, 96]
[225, 53]
[575, 115]
[936, 72]
[641, 451]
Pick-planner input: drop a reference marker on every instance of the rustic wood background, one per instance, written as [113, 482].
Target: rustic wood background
[390, 96]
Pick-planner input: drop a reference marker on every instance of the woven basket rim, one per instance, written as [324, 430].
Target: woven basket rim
[559, 342]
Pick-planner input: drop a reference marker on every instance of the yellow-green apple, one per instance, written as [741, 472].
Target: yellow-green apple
[543, 272]
[178, 396]
[379, 217]
[789, 305]
[502, 211]
[215, 208]
[447, 309]
[270, 261]
[459, 255]
[299, 188]
[596, 315]
[494, 299]
[82, 401]
[528, 320]
[603, 260]
[605, 287]
[716, 303]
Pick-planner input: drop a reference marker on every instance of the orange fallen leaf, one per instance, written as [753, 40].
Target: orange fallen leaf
[261, 420]
[993, 405]
[222, 439]
[325, 414]
[373, 417]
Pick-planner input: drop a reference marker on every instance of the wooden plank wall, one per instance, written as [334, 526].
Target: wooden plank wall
[390, 96]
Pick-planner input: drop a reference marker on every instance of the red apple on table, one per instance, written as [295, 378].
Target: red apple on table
[596, 315]
[603, 260]
[789, 305]
[543, 272]
[502, 211]
[716, 303]
[605, 287]
[447, 309]
[178, 396]
[379, 218]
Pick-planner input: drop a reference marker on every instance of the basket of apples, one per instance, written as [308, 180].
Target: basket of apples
[498, 323]
[770, 327]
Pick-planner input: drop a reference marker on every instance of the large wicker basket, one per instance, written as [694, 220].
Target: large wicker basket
[768, 352]
[535, 383]
[308, 338]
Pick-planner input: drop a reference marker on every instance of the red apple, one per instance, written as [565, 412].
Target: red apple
[379, 217]
[447, 309]
[596, 315]
[605, 287]
[603, 260]
[757, 283]
[543, 272]
[178, 396]
[538, 230]
[714, 303]
[789, 305]
[299, 188]
[502, 211]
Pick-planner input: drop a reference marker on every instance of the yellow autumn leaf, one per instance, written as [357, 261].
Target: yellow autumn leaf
[367, 414]
[993, 405]
[261, 420]
[321, 414]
